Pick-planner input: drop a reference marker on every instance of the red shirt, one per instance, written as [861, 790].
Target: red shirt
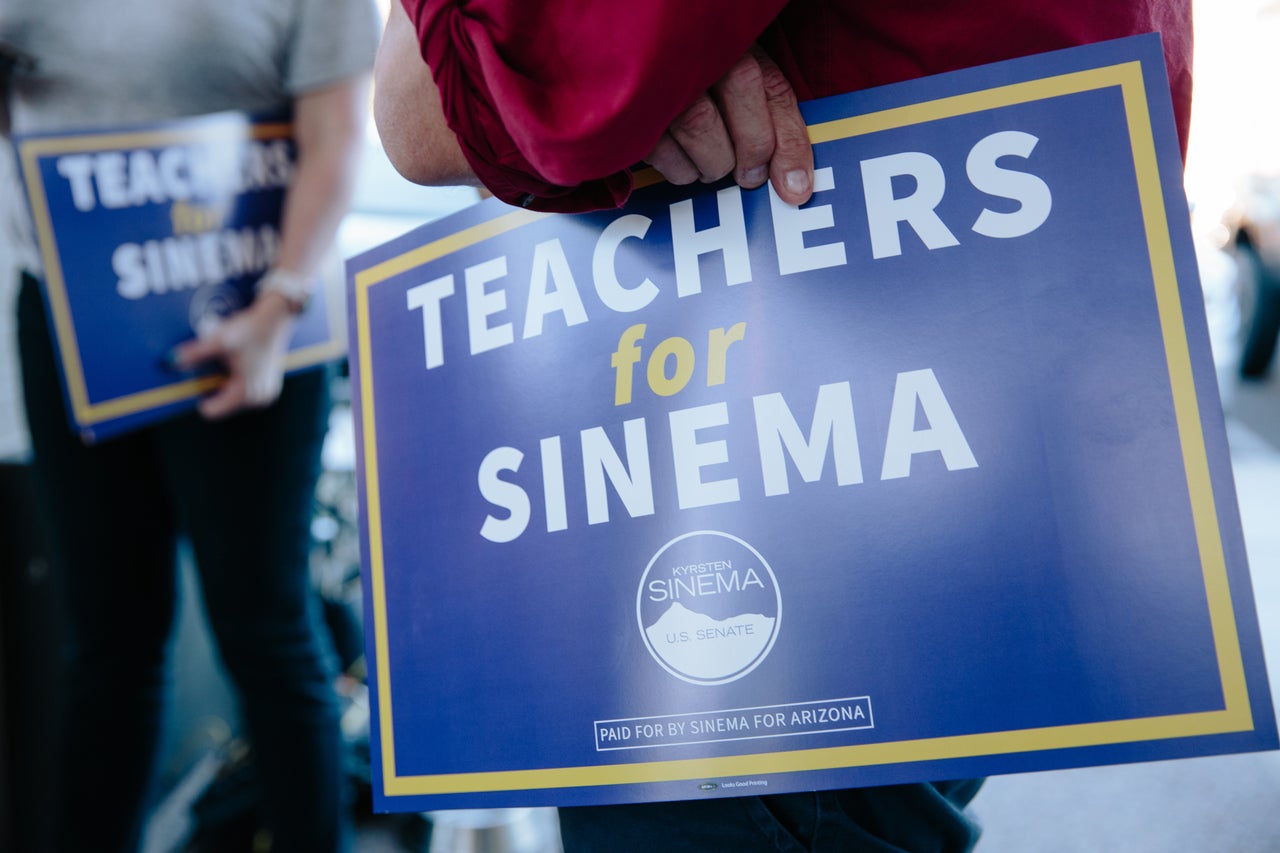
[553, 101]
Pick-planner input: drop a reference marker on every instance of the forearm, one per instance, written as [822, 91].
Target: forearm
[548, 104]
[250, 344]
[328, 129]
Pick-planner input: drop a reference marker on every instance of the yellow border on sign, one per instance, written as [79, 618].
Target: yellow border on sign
[1237, 715]
[85, 412]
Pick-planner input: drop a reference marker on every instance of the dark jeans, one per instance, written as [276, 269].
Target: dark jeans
[1259, 347]
[241, 490]
[923, 818]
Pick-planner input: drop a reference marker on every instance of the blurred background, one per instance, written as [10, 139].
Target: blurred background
[1219, 804]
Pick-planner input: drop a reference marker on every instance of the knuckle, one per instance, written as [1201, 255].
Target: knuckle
[681, 177]
[671, 162]
[744, 76]
[700, 119]
[777, 89]
[755, 148]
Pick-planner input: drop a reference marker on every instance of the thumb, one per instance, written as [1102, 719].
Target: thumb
[226, 400]
[197, 351]
[791, 168]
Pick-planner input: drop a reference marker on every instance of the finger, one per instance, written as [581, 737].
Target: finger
[225, 401]
[745, 111]
[701, 133]
[669, 159]
[791, 169]
[193, 353]
[262, 388]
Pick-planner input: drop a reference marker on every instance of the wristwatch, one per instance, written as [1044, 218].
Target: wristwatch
[293, 287]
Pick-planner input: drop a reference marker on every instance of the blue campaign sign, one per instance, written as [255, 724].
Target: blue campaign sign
[147, 234]
[712, 495]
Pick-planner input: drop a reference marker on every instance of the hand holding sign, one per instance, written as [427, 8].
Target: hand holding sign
[251, 344]
[748, 124]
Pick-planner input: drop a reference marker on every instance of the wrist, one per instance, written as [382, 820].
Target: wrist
[275, 307]
[291, 289]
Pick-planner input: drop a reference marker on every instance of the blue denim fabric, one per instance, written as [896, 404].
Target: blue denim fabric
[241, 490]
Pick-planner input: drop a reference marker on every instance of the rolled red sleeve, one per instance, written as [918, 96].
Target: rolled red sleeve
[553, 101]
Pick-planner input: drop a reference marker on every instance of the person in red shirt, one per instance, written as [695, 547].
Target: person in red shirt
[551, 105]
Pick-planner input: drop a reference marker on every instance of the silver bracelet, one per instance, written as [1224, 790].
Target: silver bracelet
[294, 287]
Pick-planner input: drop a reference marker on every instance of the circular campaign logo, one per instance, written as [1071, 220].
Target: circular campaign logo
[211, 305]
[708, 607]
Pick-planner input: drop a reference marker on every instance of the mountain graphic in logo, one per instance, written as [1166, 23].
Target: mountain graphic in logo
[706, 648]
